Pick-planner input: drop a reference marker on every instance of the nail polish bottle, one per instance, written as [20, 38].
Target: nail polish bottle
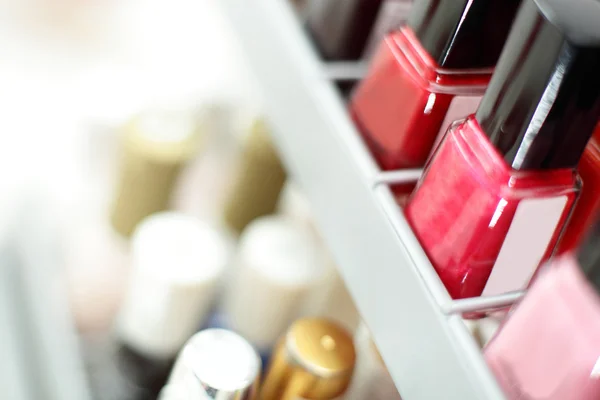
[214, 364]
[391, 16]
[278, 265]
[341, 28]
[588, 205]
[260, 179]
[437, 65]
[204, 184]
[177, 264]
[549, 346]
[155, 147]
[314, 360]
[497, 192]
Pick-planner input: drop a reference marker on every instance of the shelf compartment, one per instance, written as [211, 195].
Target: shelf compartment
[424, 343]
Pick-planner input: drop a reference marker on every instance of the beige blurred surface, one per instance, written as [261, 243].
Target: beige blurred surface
[71, 72]
[65, 83]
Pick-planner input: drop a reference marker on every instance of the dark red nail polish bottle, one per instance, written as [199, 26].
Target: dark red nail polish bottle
[498, 191]
[392, 15]
[341, 29]
[588, 206]
[439, 63]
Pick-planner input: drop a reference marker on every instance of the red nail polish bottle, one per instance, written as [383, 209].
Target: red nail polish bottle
[588, 205]
[497, 192]
[439, 63]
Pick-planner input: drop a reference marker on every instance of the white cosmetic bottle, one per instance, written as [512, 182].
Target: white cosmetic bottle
[156, 146]
[278, 265]
[177, 264]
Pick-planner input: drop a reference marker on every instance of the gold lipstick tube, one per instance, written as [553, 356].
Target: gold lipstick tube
[156, 146]
[260, 180]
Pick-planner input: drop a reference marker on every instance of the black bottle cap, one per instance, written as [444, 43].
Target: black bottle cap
[588, 256]
[543, 101]
[341, 28]
[145, 376]
[463, 34]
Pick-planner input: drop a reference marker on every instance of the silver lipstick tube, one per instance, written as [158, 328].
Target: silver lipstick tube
[215, 364]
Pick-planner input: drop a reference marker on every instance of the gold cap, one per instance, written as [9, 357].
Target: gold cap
[256, 189]
[314, 361]
[155, 148]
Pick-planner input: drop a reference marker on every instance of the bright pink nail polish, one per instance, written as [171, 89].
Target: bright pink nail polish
[549, 347]
[437, 64]
[498, 191]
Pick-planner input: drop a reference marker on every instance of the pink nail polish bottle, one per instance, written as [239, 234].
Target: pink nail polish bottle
[549, 348]
[499, 189]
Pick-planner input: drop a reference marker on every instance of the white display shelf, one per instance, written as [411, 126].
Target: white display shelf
[415, 324]
[38, 340]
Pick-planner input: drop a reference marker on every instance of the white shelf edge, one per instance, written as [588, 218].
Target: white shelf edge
[428, 354]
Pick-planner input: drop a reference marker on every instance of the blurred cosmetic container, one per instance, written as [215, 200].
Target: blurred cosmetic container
[260, 179]
[314, 361]
[177, 263]
[214, 364]
[156, 146]
[278, 265]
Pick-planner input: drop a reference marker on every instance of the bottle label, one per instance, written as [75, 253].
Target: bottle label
[392, 15]
[527, 240]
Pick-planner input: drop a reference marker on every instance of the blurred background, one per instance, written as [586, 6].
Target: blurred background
[72, 75]
[115, 111]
